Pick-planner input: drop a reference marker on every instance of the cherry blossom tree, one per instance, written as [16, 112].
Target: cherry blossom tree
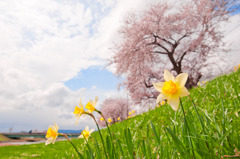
[114, 108]
[180, 38]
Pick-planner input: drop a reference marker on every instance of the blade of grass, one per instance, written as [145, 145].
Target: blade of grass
[143, 147]
[98, 152]
[179, 145]
[188, 133]
[128, 140]
[155, 132]
[109, 146]
[120, 147]
[199, 118]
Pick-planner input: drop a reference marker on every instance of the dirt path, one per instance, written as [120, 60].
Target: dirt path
[5, 141]
[6, 144]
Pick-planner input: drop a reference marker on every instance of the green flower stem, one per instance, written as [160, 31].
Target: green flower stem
[107, 125]
[108, 129]
[99, 133]
[72, 144]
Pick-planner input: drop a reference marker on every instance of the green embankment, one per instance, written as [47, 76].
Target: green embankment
[209, 130]
[3, 138]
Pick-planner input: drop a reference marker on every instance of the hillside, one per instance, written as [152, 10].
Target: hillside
[3, 138]
[209, 128]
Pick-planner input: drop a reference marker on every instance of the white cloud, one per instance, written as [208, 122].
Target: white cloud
[44, 43]
[232, 38]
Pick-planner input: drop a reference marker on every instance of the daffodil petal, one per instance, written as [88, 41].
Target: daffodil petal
[168, 76]
[80, 103]
[181, 79]
[91, 131]
[49, 140]
[96, 100]
[173, 101]
[158, 86]
[54, 139]
[161, 97]
[78, 116]
[91, 101]
[87, 128]
[80, 136]
[183, 92]
[56, 127]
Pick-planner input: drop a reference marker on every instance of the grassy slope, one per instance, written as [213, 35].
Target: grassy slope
[210, 99]
[3, 138]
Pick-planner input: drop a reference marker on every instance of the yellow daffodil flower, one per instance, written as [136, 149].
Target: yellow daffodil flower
[86, 133]
[203, 82]
[109, 120]
[78, 111]
[101, 119]
[163, 102]
[172, 89]
[52, 134]
[118, 118]
[133, 111]
[130, 113]
[91, 105]
[239, 66]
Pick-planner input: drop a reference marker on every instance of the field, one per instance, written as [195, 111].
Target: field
[209, 128]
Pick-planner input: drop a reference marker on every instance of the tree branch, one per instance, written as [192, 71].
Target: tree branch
[159, 52]
[156, 36]
[158, 44]
[181, 58]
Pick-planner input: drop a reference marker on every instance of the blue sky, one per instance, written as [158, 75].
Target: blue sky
[53, 52]
[94, 77]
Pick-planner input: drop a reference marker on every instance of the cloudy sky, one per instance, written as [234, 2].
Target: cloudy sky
[54, 52]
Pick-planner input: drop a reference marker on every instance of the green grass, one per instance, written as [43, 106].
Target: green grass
[209, 128]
